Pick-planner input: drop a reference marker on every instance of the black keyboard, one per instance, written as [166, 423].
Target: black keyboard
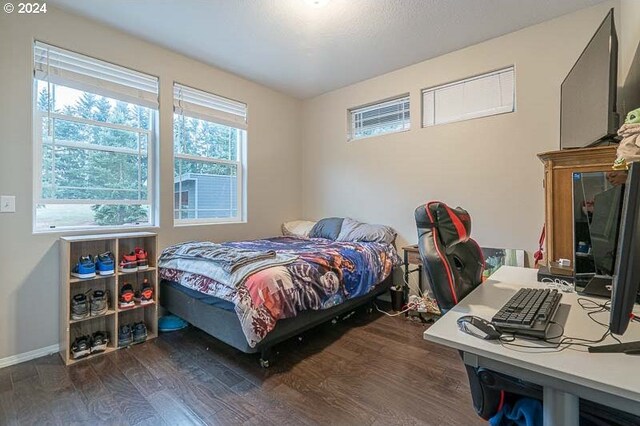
[528, 312]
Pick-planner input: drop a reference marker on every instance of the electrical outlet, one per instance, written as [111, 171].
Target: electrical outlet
[7, 204]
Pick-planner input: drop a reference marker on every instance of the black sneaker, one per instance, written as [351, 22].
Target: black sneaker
[81, 347]
[99, 342]
[79, 307]
[125, 337]
[126, 296]
[139, 332]
[99, 304]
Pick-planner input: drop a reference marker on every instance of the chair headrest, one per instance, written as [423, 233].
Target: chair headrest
[454, 225]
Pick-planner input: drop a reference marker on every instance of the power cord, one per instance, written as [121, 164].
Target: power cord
[554, 346]
[422, 303]
[592, 307]
[595, 308]
[409, 307]
[561, 285]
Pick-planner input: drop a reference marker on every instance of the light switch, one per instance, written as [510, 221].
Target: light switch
[7, 204]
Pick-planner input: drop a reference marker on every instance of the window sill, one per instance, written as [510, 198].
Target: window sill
[351, 139]
[95, 230]
[187, 223]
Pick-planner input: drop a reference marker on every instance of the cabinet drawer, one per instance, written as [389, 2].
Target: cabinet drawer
[414, 257]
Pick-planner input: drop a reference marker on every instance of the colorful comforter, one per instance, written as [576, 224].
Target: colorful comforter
[324, 273]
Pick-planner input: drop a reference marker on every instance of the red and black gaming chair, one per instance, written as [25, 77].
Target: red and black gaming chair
[452, 261]
[453, 265]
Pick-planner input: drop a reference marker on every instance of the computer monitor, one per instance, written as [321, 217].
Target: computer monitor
[603, 229]
[626, 279]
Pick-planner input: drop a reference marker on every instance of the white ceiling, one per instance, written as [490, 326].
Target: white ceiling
[305, 51]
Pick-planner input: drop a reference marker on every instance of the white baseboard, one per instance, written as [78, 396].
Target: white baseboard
[28, 356]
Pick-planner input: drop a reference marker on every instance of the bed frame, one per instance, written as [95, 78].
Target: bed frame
[225, 326]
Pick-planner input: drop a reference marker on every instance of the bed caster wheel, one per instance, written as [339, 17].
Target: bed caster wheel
[265, 358]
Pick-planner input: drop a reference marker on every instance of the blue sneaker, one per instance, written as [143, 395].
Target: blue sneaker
[125, 336]
[105, 264]
[85, 268]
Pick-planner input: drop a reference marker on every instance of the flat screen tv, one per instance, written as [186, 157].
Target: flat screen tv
[588, 113]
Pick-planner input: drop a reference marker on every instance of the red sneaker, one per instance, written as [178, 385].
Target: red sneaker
[129, 263]
[142, 258]
[145, 295]
[126, 296]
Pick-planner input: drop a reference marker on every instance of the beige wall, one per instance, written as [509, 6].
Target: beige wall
[628, 34]
[488, 166]
[629, 51]
[29, 263]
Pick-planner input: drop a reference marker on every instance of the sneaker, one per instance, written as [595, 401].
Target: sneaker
[129, 263]
[125, 336]
[126, 296]
[81, 347]
[85, 268]
[99, 342]
[145, 295]
[142, 258]
[139, 332]
[105, 264]
[79, 307]
[99, 304]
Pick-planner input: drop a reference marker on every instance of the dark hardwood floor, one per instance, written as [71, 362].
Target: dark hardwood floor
[366, 370]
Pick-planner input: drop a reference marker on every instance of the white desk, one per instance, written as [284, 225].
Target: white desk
[609, 379]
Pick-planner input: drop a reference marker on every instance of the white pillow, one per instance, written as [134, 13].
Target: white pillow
[297, 228]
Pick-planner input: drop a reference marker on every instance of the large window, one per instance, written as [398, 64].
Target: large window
[382, 117]
[209, 144]
[94, 134]
[480, 96]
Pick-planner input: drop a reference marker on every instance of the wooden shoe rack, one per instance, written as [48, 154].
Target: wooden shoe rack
[71, 248]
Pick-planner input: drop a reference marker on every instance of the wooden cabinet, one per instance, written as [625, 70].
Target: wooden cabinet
[559, 167]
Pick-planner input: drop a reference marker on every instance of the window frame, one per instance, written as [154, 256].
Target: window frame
[93, 147]
[351, 131]
[240, 164]
[434, 89]
[38, 143]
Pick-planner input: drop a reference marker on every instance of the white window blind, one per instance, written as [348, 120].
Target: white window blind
[383, 117]
[484, 95]
[60, 66]
[207, 106]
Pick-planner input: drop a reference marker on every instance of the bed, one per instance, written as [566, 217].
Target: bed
[309, 281]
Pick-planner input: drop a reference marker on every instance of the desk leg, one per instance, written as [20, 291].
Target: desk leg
[406, 269]
[560, 408]
[405, 284]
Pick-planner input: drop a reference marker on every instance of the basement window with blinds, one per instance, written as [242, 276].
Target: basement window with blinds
[380, 118]
[94, 143]
[480, 96]
[209, 141]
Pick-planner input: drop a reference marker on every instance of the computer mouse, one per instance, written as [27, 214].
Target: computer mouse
[478, 327]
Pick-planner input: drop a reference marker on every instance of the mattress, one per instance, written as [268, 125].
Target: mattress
[323, 274]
